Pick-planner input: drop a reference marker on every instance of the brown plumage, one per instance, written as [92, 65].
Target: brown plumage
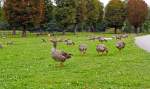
[118, 37]
[83, 48]
[101, 48]
[101, 39]
[120, 45]
[59, 56]
[125, 36]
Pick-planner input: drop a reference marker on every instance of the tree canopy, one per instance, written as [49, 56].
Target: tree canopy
[137, 13]
[115, 14]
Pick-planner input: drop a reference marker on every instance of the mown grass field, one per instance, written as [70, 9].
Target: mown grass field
[28, 65]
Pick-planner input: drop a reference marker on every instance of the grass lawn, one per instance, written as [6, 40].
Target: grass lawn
[28, 65]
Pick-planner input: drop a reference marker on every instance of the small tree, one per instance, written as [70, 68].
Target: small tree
[115, 14]
[137, 13]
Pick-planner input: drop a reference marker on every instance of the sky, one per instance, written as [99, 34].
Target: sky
[106, 2]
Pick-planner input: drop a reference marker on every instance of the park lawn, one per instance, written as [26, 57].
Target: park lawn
[28, 65]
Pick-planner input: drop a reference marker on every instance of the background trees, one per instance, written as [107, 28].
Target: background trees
[137, 13]
[66, 14]
[146, 25]
[24, 13]
[115, 14]
[73, 15]
[94, 13]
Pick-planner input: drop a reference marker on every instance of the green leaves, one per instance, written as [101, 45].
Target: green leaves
[115, 13]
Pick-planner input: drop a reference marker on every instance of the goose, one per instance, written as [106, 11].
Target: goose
[118, 37]
[59, 56]
[101, 39]
[101, 48]
[83, 48]
[125, 36]
[120, 45]
[69, 42]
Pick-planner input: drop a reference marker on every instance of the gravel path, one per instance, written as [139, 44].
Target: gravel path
[143, 42]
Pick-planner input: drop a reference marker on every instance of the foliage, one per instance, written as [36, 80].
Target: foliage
[24, 14]
[66, 14]
[146, 25]
[94, 13]
[115, 14]
[48, 10]
[137, 13]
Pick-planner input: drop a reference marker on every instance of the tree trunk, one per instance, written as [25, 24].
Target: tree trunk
[64, 32]
[82, 27]
[115, 30]
[24, 32]
[140, 29]
[93, 28]
[136, 30]
[75, 29]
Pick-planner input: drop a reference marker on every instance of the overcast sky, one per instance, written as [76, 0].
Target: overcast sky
[106, 1]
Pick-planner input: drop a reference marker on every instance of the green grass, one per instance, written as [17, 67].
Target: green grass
[28, 65]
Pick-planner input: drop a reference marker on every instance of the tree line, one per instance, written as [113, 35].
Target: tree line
[74, 15]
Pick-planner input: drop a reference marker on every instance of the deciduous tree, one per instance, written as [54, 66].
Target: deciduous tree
[24, 13]
[66, 14]
[137, 13]
[115, 14]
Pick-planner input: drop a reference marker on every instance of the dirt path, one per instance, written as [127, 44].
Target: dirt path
[143, 42]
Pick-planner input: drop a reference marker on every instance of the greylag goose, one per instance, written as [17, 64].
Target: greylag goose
[120, 45]
[101, 48]
[59, 56]
[83, 48]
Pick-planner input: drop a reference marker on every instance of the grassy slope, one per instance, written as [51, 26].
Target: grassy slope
[28, 65]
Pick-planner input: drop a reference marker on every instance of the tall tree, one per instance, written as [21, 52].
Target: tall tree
[81, 14]
[66, 14]
[24, 13]
[115, 14]
[137, 13]
[1, 13]
[48, 10]
[95, 13]
[146, 25]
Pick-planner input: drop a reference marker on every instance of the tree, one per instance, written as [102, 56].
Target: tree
[65, 14]
[81, 14]
[146, 25]
[24, 13]
[48, 10]
[137, 13]
[94, 13]
[1, 14]
[115, 14]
